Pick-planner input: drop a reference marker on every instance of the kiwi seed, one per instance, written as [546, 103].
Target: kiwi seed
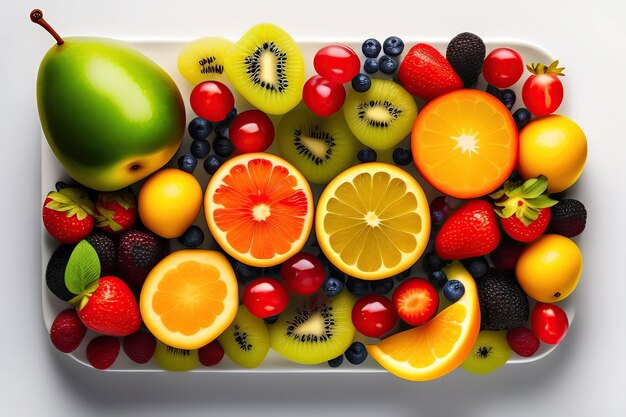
[378, 113]
[259, 62]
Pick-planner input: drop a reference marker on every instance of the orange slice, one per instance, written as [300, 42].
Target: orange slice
[465, 143]
[373, 221]
[189, 298]
[259, 209]
[439, 346]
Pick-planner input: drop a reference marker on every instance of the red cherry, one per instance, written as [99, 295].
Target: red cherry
[303, 273]
[323, 97]
[337, 63]
[549, 322]
[374, 315]
[416, 301]
[503, 67]
[251, 131]
[212, 100]
[265, 297]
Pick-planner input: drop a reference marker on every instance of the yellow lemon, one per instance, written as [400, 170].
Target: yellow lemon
[549, 269]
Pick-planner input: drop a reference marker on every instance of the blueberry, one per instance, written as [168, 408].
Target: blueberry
[200, 128]
[507, 97]
[221, 130]
[367, 155]
[335, 363]
[402, 275]
[382, 286]
[432, 262]
[477, 267]
[223, 147]
[357, 286]
[61, 185]
[437, 217]
[393, 46]
[246, 273]
[361, 83]
[200, 148]
[212, 163]
[453, 290]
[387, 65]
[402, 156]
[494, 91]
[193, 237]
[272, 319]
[371, 48]
[371, 65]
[515, 176]
[356, 353]
[521, 117]
[332, 286]
[438, 278]
[229, 117]
[187, 162]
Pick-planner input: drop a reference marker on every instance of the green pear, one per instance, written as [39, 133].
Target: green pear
[110, 114]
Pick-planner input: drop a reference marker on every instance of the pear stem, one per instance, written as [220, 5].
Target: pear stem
[36, 16]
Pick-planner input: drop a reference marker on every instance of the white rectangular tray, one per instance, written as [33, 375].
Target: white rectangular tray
[165, 53]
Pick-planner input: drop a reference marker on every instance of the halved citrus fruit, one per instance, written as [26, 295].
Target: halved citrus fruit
[373, 221]
[189, 298]
[465, 143]
[259, 209]
[436, 348]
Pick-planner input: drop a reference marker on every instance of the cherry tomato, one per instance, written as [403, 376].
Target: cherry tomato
[549, 322]
[303, 273]
[503, 67]
[542, 94]
[337, 63]
[374, 315]
[265, 297]
[212, 100]
[323, 97]
[251, 131]
[416, 301]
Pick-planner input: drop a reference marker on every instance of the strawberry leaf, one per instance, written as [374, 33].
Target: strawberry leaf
[83, 268]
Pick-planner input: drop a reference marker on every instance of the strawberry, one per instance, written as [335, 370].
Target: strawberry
[116, 211]
[67, 331]
[68, 214]
[427, 74]
[472, 230]
[102, 351]
[523, 208]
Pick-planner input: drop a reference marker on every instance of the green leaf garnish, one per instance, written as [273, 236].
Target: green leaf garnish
[82, 270]
[524, 200]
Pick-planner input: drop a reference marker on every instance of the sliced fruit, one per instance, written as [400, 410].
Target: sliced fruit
[489, 353]
[439, 346]
[174, 359]
[465, 143]
[189, 298]
[259, 209]
[382, 116]
[315, 329]
[267, 68]
[203, 59]
[246, 341]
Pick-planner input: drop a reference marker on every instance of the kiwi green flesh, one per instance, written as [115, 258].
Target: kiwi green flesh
[246, 341]
[489, 353]
[314, 330]
[319, 147]
[382, 116]
[203, 59]
[174, 359]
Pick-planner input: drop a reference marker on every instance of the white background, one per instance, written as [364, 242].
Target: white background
[584, 376]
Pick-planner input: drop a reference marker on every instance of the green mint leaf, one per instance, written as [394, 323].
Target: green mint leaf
[543, 201]
[83, 268]
[534, 187]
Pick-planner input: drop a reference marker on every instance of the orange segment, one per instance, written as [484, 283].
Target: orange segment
[439, 346]
[465, 143]
[189, 298]
[259, 208]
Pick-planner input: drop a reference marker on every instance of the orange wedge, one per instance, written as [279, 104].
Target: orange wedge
[439, 346]
[189, 298]
[465, 143]
[259, 209]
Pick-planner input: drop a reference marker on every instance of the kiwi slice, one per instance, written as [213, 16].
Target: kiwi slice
[267, 68]
[320, 147]
[314, 330]
[203, 59]
[382, 116]
[490, 352]
[246, 341]
[174, 359]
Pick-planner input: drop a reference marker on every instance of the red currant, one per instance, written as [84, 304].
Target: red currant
[337, 63]
[549, 322]
[212, 100]
[323, 97]
[503, 67]
[374, 315]
[251, 131]
[416, 301]
[265, 297]
[303, 273]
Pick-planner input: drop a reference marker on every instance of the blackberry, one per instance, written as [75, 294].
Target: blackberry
[568, 218]
[55, 272]
[466, 53]
[503, 303]
[107, 252]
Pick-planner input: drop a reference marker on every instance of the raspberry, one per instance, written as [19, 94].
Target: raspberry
[522, 341]
[211, 354]
[569, 218]
[139, 346]
[505, 256]
[67, 331]
[102, 351]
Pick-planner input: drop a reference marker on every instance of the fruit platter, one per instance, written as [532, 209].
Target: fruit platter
[264, 204]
